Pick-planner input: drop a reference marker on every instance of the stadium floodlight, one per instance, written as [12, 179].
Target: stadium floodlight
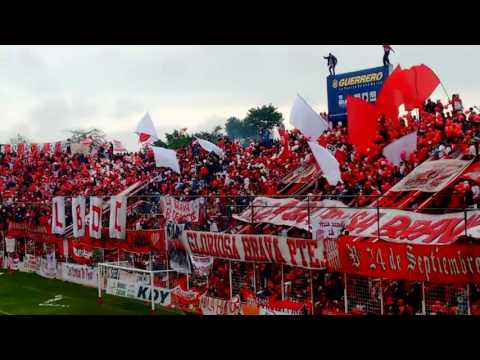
[106, 269]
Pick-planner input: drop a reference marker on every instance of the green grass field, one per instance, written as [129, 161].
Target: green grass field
[31, 294]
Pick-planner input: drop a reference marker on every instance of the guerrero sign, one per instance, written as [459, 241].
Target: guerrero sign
[431, 176]
[364, 84]
[392, 225]
[180, 211]
[455, 264]
[256, 248]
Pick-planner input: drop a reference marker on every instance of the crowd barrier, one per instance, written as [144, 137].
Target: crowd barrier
[363, 292]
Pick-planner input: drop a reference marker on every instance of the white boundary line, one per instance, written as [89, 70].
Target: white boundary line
[5, 313]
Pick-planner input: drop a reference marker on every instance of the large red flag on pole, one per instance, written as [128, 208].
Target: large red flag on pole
[422, 82]
[362, 122]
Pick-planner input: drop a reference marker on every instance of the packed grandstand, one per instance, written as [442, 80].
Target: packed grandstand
[240, 230]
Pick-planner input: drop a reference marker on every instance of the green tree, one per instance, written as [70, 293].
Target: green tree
[213, 136]
[176, 140]
[258, 119]
[160, 143]
[263, 118]
[235, 128]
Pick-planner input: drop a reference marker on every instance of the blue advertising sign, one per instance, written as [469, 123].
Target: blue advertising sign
[364, 84]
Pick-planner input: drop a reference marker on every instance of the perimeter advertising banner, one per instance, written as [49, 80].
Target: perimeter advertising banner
[364, 84]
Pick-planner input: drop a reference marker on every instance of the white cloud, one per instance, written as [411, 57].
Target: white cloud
[48, 89]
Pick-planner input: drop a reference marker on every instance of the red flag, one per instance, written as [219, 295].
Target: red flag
[33, 149]
[341, 156]
[143, 137]
[46, 148]
[58, 147]
[286, 148]
[362, 122]
[391, 95]
[410, 87]
[20, 149]
[422, 82]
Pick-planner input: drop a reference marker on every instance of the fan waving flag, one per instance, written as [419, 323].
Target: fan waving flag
[423, 82]
[210, 147]
[305, 119]
[166, 158]
[410, 87]
[327, 162]
[406, 145]
[392, 95]
[146, 130]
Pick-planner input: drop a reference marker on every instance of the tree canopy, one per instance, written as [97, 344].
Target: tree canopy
[257, 121]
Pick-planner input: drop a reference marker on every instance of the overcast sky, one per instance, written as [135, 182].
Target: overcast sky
[49, 89]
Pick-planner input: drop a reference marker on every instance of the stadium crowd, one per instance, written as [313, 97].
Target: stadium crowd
[29, 181]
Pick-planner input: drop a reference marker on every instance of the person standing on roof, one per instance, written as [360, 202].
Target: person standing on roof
[331, 62]
[386, 54]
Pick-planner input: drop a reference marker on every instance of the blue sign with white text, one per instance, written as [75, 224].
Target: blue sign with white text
[364, 84]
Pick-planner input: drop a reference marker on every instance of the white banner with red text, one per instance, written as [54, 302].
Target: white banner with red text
[214, 306]
[10, 244]
[58, 215]
[180, 211]
[95, 219]
[78, 274]
[118, 217]
[303, 253]
[78, 215]
[390, 224]
[431, 176]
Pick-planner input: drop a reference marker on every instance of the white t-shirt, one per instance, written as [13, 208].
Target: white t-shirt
[475, 191]
[213, 227]
[471, 150]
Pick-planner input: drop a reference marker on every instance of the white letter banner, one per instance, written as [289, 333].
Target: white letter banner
[58, 215]
[78, 215]
[96, 209]
[118, 217]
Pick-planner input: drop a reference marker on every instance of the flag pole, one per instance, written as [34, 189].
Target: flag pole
[444, 89]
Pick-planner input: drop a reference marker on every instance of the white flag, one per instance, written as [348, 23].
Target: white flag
[96, 209]
[406, 144]
[329, 165]
[208, 146]
[305, 119]
[146, 129]
[78, 215]
[80, 149]
[10, 244]
[118, 147]
[166, 158]
[58, 215]
[275, 134]
[118, 217]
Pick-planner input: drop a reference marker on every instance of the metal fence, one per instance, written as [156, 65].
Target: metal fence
[367, 296]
